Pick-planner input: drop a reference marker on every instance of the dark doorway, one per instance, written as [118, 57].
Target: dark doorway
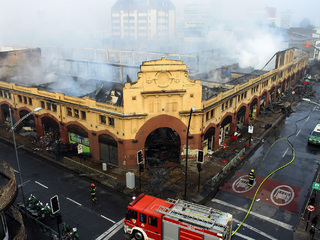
[108, 150]
[162, 147]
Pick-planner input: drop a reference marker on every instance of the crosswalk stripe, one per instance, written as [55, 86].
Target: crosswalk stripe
[271, 220]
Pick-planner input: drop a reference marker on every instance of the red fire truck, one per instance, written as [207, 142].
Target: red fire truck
[149, 218]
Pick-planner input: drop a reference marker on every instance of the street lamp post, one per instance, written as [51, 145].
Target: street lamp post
[15, 145]
[186, 170]
[308, 100]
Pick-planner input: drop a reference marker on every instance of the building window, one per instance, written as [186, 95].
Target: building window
[212, 113]
[191, 95]
[20, 98]
[111, 121]
[103, 119]
[134, 98]
[48, 106]
[153, 221]
[43, 105]
[207, 116]
[54, 107]
[25, 100]
[30, 101]
[76, 113]
[142, 218]
[69, 111]
[83, 115]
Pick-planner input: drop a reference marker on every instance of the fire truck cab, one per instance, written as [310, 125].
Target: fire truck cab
[148, 217]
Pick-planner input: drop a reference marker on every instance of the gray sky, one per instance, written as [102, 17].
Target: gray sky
[29, 22]
[36, 23]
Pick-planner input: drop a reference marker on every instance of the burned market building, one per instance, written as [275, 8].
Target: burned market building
[111, 122]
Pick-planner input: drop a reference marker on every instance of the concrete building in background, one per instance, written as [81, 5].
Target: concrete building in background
[143, 19]
[116, 120]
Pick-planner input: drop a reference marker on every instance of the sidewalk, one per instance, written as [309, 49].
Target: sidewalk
[304, 228]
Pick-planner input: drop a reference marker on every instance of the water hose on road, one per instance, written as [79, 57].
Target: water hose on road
[254, 197]
[293, 157]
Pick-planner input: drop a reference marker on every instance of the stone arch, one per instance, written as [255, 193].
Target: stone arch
[170, 125]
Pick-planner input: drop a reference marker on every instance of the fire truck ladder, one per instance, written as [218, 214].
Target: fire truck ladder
[203, 217]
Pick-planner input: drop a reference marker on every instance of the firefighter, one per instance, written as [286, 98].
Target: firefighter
[252, 178]
[93, 192]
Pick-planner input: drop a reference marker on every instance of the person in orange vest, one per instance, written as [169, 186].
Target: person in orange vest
[252, 178]
[93, 192]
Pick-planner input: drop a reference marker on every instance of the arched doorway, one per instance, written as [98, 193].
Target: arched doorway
[5, 113]
[162, 146]
[253, 109]
[272, 95]
[263, 101]
[241, 115]
[78, 135]
[28, 122]
[225, 129]
[108, 149]
[50, 126]
[209, 138]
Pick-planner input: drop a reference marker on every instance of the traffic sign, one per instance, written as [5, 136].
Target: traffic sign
[311, 208]
[316, 186]
[55, 206]
[80, 148]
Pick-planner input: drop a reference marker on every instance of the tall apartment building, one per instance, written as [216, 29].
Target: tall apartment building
[143, 19]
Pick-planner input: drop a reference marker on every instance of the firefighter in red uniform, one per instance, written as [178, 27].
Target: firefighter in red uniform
[252, 178]
[93, 192]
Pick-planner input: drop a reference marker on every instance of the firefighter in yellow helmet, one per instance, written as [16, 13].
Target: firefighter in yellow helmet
[252, 178]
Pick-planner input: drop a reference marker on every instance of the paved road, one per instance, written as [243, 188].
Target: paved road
[280, 200]
[45, 181]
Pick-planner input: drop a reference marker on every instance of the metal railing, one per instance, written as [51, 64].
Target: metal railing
[226, 170]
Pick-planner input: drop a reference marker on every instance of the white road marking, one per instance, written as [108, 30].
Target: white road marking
[107, 219]
[15, 171]
[244, 236]
[271, 220]
[41, 184]
[23, 183]
[111, 231]
[74, 201]
[298, 133]
[255, 230]
[285, 152]
[308, 119]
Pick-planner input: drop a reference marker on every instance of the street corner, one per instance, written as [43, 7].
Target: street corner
[272, 192]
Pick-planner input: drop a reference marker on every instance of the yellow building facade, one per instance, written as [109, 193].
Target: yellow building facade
[155, 112]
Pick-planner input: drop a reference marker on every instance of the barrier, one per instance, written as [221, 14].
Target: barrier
[233, 163]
